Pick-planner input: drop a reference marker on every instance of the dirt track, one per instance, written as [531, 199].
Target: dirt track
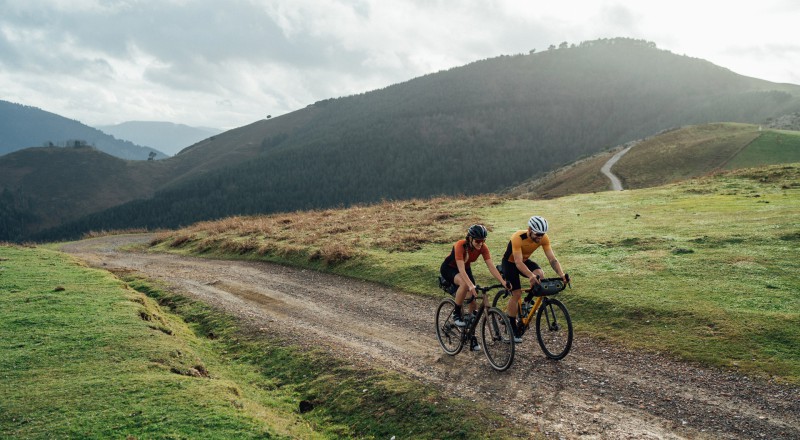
[597, 392]
[616, 184]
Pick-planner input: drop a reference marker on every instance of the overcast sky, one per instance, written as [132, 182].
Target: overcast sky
[227, 63]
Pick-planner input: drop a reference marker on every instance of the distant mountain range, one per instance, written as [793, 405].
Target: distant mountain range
[479, 128]
[163, 136]
[23, 126]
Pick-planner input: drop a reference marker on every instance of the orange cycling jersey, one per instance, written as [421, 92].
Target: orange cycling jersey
[520, 241]
[459, 253]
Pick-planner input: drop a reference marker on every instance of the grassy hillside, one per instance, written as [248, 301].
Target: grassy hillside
[518, 117]
[85, 355]
[53, 185]
[674, 155]
[580, 177]
[705, 269]
[770, 147]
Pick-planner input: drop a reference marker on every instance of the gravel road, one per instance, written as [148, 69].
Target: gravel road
[616, 184]
[599, 391]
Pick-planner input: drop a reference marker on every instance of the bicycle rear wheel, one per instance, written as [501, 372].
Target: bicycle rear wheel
[554, 329]
[449, 335]
[498, 339]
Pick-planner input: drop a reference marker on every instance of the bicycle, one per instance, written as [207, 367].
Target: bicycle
[496, 333]
[553, 324]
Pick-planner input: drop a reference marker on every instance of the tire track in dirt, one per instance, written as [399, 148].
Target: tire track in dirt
[598, 391]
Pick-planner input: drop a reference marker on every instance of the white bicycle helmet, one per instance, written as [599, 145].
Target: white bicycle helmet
[538, 224]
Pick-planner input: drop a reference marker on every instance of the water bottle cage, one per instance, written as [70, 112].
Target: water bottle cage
[526, 308]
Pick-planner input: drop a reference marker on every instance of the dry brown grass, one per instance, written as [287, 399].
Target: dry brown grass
[582, 176]
[335, 235]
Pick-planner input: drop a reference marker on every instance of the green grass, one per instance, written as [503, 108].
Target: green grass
[86, 355]
[83, 356]
[686, 153]
[707, 270]
[771, 147]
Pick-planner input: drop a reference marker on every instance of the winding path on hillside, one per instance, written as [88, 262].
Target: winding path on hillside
[616, 184]
[599, 391]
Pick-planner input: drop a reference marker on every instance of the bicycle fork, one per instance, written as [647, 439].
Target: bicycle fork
[550, 317]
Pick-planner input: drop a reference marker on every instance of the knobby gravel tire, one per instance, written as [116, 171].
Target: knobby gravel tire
[498, 339]
[554, 329]
[449, 335]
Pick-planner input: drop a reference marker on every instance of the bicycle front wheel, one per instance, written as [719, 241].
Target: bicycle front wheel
[501, 299]
[447, 332]
[554, 329]
[498, 339]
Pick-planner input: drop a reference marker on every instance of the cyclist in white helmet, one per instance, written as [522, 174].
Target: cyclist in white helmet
[516, 262]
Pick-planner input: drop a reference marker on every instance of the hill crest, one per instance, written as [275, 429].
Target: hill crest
[168, 137]
[23, 126]
[474, 129]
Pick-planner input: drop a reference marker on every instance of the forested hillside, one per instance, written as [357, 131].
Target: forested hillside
[473, 129]
[60, 184]
[23, 126]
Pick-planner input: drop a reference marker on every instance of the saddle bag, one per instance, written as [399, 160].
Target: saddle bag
[447, 286]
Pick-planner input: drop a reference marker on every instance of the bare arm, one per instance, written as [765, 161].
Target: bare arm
[495, 273]
[551, 257]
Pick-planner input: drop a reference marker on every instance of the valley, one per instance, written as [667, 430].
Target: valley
[261, 277]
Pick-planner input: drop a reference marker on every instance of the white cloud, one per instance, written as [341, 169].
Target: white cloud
[225, 64]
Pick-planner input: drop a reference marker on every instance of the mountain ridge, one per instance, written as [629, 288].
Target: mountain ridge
[168, 137]
[473, 129]
[23, 126]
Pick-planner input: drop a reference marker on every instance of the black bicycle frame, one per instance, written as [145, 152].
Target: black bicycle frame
[474, 324]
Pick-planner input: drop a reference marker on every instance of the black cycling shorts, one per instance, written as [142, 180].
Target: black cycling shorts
[511, 273]
[449, 273]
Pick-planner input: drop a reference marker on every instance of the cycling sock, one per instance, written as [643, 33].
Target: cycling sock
[513, 320]
[457, 311]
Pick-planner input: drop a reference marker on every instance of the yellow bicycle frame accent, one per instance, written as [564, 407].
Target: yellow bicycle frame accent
[536, 304]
